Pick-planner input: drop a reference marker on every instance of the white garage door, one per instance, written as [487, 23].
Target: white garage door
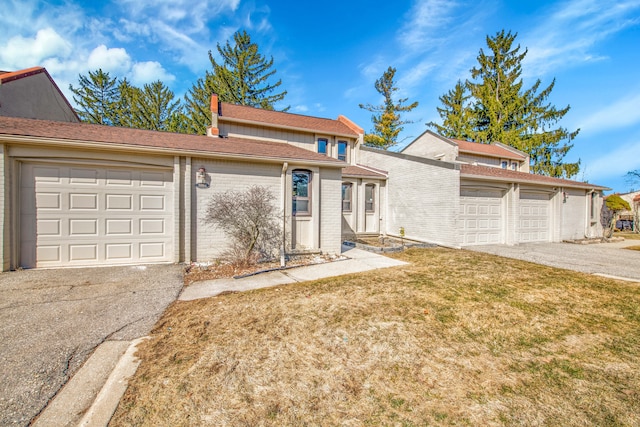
[534, 217]
[84, 216]
[480, 219]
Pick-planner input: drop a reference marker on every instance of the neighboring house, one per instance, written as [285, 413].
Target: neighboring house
[631, 216]
[32, 94]
[460, 193]
[76, 194]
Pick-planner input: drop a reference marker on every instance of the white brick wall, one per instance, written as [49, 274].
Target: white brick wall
[330, 211]
[574, 215]
[5, 218]
[423, 195]
[207, 241]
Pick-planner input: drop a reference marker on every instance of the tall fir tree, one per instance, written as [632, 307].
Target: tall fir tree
[387, 123]
[457, 120]
[243, 77]
[502, 111]
[156, 107]
[97, 97]
[125, 105]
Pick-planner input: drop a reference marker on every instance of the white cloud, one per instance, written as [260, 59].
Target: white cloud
[115, 60]
[623, 113]
[23, 52]
[568, 35]
[299, 109]
[150, 71]
[425, 22]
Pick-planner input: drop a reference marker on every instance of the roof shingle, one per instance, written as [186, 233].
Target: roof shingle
[279, 119]
[172, 142]
[515, 176]
[487, 150]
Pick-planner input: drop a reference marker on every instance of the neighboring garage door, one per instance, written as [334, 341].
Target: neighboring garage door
[480, 216]
[534, 224]
[85, 216]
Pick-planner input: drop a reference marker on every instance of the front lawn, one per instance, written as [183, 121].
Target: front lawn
[455, 338]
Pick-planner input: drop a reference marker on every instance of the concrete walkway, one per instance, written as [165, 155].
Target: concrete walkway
[113, 363]
[357, 261]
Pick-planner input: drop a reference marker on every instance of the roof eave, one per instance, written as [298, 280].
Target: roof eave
[159, 150]
[582, 186]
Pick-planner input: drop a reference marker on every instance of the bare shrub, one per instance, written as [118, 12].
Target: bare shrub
[251, 220]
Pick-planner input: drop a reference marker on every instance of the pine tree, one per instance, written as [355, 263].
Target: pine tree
[387, 124]
[243, 77]
[97, 97]
[457, 120]
[155, 108]
[502, 111]
[125, 105]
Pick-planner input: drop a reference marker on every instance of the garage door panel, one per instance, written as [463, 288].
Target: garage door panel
[94, 216]
[119, 251]
[83, 201]
[83, 176]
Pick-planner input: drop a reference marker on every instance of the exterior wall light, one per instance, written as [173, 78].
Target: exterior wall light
[201, 178]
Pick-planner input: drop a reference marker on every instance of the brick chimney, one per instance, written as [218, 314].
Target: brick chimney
[215, 111]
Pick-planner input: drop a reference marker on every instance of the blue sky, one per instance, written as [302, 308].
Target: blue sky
[329, 54]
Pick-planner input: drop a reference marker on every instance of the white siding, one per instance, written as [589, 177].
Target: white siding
[423, 196]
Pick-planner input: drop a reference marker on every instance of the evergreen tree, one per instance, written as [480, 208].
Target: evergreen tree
[97, 97]
[502, 111]
[386, 122]
[457, 120]
[243, 78]
[155, 108]
[124, 114]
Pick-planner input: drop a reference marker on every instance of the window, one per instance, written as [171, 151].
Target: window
[347, 188]
[504, 164]
[369, 199]
[593, 205]
[301, 192]
[342, 150]
[322, 146]
[514, 166]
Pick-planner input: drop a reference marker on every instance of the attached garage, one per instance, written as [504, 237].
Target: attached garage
[535, 217]
[480, 221]
[82, 215]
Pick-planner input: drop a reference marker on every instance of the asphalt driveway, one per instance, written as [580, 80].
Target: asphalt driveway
[609, 259]
[52, 320]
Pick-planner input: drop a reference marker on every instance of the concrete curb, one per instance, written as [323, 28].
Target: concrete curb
[109, 397]
[78, 394]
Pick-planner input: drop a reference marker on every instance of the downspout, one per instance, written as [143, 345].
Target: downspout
[283, 182]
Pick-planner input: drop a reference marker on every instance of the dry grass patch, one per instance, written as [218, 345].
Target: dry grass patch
[627, 235]
[456, 338]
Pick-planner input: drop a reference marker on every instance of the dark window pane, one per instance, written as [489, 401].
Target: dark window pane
[322, 146]
[342, 151]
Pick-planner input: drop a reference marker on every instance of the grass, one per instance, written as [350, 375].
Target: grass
[455, 338]
[627, 235]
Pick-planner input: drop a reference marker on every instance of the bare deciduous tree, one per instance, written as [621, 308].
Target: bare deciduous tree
[252, 221]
